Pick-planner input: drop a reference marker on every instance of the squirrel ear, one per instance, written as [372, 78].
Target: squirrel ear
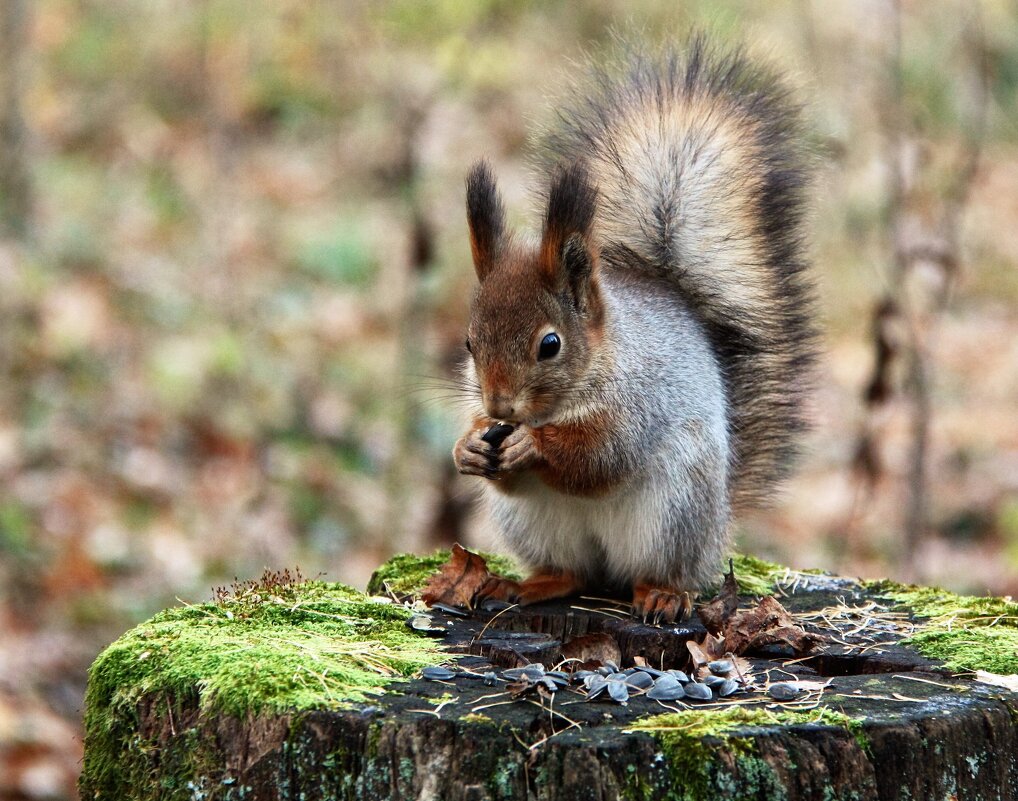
[567, 253]
[485, 216]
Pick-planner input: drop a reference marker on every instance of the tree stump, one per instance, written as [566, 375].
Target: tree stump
[286, 689]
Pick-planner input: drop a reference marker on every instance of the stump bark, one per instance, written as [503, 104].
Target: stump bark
[891, 723]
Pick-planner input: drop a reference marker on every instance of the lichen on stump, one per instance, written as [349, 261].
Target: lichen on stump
[289, 689]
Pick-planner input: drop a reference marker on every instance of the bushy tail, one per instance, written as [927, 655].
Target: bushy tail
[701, 170]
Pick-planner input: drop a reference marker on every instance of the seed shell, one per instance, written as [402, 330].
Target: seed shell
[618, 691]
[438, 673]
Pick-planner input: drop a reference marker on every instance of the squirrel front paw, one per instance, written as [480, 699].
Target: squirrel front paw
[474, 455]
[477, 453]
[519, 451]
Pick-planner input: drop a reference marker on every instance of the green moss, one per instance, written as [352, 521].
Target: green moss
[691, 739]
[966, 632]
[310, 645]
[756, 576]
[977, 648]
[478, 718]
[407, 573]
[760, 577]
[933, 602]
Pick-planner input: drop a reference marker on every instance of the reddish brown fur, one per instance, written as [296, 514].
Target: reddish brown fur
[661, 604]
[570, 462]
[543, 585]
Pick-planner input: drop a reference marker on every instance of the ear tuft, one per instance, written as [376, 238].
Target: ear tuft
[485, 216]
[572, 203]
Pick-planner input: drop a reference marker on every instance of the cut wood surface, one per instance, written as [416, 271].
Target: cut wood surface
[869, 716]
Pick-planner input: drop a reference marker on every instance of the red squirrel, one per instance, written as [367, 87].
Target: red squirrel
[647, 355]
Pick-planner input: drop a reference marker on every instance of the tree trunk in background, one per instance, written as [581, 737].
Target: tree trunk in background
[15, 187]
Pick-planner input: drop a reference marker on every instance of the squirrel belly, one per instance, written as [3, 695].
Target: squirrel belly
[666, 519]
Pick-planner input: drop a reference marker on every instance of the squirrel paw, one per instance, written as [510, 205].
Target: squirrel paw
[655, 604]
[474, 456]
[542, 586]
[519, 451]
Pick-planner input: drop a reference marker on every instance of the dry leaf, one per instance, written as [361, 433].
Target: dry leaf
[600, 648]
[458, 580]
[767, 624]
[1009, 682]
[700, 658]
[715, 647]
[718, 612]
[521, 686]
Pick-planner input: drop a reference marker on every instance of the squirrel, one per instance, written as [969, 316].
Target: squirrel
[640, 370]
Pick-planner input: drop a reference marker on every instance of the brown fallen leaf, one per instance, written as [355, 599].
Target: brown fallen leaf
[598, 648]
[738, 632]
[697, 654]
[768, 623]
[719, 611]
[521, 686]
[714, 647]
[458, 580]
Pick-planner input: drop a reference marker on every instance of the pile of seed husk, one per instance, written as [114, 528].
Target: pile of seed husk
[717, 679]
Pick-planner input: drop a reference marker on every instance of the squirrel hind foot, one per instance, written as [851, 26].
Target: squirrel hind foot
[657, 604]
[541, 586]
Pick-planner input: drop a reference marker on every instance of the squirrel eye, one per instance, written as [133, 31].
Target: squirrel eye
[549, 346]
[467, 343]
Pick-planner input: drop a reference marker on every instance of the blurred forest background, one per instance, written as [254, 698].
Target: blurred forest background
[234, 257]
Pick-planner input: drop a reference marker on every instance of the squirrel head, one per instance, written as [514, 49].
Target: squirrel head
[537, 315]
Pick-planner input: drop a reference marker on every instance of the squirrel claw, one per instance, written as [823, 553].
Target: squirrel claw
[656, 605]
[497, 588]
[542, 586]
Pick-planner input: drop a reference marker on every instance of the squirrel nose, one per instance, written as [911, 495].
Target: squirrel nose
[500, 407]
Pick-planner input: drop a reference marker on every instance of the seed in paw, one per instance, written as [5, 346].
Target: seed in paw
[498, 432]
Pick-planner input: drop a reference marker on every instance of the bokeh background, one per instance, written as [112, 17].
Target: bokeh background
[234, 274]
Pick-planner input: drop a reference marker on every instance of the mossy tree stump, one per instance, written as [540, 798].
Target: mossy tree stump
[307, 691]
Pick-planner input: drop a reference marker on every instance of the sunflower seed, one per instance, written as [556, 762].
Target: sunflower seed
[697, 691]
[618, 691]
[494, 605]
[720, 667]
[783, 691]
[498, 432]
[451, 610]
[728, 688]
[426, 623]
[666, 688]
[598, 684]
[534, 670]
[641, 681]
[437, 673]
